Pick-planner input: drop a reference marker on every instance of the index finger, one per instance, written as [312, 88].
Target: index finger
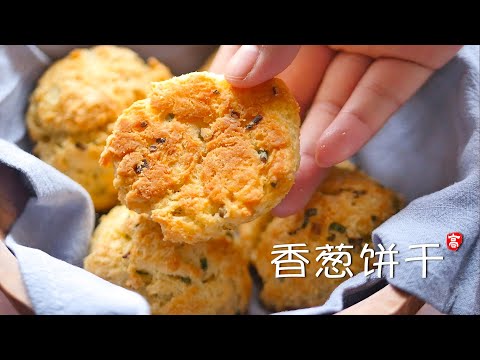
[224, 54]
[386, 86]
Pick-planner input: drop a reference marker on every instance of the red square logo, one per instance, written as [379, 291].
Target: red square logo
[454, 240]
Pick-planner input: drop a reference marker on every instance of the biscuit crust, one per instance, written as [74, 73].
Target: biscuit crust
[88, 89]
[248, 235]
[201, 157]
[206, 278]
[74, 105]
[77, 157]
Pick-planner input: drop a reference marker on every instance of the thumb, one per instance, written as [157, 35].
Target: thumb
[254, 64]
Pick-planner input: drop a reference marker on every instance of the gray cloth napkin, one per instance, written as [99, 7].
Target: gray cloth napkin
[428, 151]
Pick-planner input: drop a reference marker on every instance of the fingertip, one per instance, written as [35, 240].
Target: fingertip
[307, 181]
[296, 200]
[254, 64]
[285, 208]
[223, 56]
[241, 64]
[342, 139]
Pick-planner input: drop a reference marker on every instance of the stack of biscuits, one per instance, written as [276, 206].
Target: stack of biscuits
[197, 165]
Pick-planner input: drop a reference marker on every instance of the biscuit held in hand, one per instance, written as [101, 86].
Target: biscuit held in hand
[200, 156]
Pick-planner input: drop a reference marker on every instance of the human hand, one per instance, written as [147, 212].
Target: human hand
[346, 94]
[13, 296]
[387, 301]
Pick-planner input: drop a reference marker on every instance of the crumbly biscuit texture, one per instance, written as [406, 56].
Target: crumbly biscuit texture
[248, 234]
[77, 157]
[74, 105]
[206, 278]
[109, 245]
[88, 89]
[201, 157]
[346, 208]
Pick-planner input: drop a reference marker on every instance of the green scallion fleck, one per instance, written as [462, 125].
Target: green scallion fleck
[358, 193]
[254, 122]
[334, 226]
[186, 280]
[80, 146]
[310, 212]
[204, 263]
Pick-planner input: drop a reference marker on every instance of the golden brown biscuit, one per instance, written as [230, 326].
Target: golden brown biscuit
[88, 89]
[206, 278]
[346, 208]
[77, 157]
[347, 165]
[200, 157]
[247, 235]
[111, 240]
[74, 105]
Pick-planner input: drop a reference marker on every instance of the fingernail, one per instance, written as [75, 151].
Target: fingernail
[242, 62]
[337, 145]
